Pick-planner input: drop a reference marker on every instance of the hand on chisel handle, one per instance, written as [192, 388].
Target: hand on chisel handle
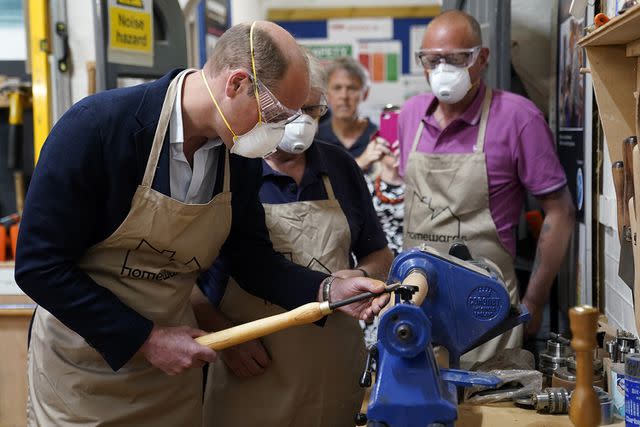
[367, 292]
[342, 289]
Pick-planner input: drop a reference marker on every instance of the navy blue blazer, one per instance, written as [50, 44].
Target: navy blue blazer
[81, 191]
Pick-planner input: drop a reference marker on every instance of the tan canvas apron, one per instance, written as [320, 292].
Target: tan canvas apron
[447, 198]
[150, 262]
[313, 377]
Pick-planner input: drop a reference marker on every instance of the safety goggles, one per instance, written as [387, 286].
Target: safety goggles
[271, 109]
[431, 58]
[316, 111]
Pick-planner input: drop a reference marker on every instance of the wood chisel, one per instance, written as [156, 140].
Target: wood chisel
[625, 268]
[305, 314]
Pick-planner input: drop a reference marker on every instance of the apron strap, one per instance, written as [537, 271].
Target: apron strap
[328, 188]
[161, 129]
[416, 138]
[482, 130]
[484, 117]
[226, 186]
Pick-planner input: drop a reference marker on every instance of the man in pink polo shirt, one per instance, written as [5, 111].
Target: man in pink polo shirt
[468, 154]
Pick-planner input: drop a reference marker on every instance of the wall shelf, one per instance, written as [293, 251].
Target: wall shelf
[613, 51]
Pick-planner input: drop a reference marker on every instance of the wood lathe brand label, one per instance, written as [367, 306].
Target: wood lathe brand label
[131, 32]
[484, 303]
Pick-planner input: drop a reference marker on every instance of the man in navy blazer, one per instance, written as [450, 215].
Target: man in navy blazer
[86, 177]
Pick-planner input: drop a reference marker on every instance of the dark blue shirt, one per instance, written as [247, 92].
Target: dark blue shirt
[326, 134]
[350, 190]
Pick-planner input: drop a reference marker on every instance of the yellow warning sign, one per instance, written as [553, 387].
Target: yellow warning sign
[132, 3]
[130, 30]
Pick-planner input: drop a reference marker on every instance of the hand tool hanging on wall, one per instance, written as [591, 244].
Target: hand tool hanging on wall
[18, 98]
[634, 208]
[625, 268]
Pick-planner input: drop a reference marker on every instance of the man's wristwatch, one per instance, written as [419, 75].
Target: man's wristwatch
[326, 288]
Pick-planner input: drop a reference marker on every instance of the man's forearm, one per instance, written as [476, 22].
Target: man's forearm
[364, 162]
[209, 317]
[377, 264]
[552, 246]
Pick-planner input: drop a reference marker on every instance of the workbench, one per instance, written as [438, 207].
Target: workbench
[507, 414]
[16, 310]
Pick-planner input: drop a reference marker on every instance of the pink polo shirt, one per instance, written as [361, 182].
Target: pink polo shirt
[520, 151]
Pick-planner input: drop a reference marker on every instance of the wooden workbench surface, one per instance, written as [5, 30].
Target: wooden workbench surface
[508, 415]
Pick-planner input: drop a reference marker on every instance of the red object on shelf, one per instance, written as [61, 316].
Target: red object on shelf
[600, 19]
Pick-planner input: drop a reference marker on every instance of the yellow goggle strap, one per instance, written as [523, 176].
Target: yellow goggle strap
[255, 75]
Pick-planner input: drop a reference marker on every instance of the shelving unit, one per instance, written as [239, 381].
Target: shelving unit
[613, 51]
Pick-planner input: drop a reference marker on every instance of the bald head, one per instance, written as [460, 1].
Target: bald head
[278, 58]
[452, 29]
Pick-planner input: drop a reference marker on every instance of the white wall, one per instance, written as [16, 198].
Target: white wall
[81, 44]
[531, 48]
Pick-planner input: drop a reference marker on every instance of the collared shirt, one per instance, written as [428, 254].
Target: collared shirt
[349, 188]
[348, 185]
[519, 147]
[326, 134]
[190, 185]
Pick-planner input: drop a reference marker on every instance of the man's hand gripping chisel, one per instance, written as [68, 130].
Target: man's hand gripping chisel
[302, 315]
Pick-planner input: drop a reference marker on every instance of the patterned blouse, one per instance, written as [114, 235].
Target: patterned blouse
[391, 216]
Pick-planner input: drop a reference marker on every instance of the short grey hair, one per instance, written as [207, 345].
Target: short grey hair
[352, 67]
[233, 51]
[317, 73]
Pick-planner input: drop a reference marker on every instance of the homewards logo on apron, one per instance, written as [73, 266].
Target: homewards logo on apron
[314, 263]
[135, 263]
[442, 219]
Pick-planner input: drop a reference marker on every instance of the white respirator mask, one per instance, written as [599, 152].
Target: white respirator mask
[298, 135]
[449, 83]
[265, 136]
[259, 142]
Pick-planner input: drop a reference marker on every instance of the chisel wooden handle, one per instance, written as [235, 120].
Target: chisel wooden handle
[634, 204]
[585, 405]
[302, 315]
[617, 170]
[627, 160]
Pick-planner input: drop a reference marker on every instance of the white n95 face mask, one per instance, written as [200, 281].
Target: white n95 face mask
[298, 135]
[449, 83]
[260, 141]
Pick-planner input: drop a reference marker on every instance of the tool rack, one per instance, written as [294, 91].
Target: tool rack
[613, 51]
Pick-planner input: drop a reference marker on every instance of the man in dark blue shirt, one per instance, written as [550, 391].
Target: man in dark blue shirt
[319, 214]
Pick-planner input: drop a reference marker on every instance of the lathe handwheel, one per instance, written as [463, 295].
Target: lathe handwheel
[404, 330]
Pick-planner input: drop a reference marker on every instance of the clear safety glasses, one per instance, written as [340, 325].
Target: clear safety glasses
[272, 110]
[430, 58]
[316, 111]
